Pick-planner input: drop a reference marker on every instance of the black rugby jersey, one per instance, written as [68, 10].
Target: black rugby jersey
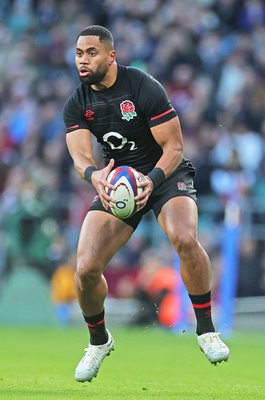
[121, 117]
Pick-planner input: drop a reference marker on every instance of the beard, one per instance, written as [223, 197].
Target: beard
[96, 77]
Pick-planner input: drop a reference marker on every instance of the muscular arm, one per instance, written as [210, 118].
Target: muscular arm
[168, 135]
[79, 143]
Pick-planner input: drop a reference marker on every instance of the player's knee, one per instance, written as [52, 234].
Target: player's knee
[88, 273]
[184, 242]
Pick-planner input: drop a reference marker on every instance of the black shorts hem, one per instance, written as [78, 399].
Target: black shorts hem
[132, 221]
[158, 207]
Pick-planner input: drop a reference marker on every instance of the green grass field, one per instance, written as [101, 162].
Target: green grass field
[38, 363]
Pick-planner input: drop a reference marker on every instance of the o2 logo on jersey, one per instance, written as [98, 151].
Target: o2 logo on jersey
[119, 141]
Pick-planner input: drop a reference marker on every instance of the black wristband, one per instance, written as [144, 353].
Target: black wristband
[88, 172]
[157, 176]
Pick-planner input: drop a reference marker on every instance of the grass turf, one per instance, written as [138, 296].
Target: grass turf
[38, 363]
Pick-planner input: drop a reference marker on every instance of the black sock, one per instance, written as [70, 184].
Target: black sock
[96, 326]
[202, 308]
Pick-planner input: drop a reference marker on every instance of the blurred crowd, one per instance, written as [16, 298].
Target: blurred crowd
[209, 55]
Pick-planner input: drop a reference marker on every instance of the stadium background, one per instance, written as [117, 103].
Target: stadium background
[210, 56]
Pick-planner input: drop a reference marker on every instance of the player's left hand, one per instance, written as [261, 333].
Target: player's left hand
[147, 185]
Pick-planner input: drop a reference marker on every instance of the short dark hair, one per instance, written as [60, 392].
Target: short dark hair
[96, 30]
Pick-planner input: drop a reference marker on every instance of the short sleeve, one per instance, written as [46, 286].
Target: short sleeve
[154, 102]
[73, 116]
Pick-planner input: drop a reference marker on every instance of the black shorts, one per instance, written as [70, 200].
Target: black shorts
[180, 183]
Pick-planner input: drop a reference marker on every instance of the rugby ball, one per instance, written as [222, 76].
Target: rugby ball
[124, 179]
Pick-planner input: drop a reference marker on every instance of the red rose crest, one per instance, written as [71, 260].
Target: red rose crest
[181, 186]
[127, 110]
[89, 115]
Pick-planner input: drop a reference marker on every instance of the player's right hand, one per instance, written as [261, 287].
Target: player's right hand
[147, 186]
[99, 181]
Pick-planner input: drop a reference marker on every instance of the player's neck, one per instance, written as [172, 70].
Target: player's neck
[109, 79]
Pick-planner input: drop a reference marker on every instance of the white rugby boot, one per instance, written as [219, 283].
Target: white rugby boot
[88, 367]
[212, 346]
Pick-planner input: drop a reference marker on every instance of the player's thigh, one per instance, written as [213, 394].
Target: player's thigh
[179, 218]
[101, 236]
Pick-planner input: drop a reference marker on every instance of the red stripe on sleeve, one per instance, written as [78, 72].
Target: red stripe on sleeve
[72, 127]
[162, 115]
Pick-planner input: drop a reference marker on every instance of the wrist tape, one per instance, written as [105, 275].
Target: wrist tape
[88, 172]
[157, 176]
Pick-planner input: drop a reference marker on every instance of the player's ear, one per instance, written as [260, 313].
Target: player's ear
[112, 56]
